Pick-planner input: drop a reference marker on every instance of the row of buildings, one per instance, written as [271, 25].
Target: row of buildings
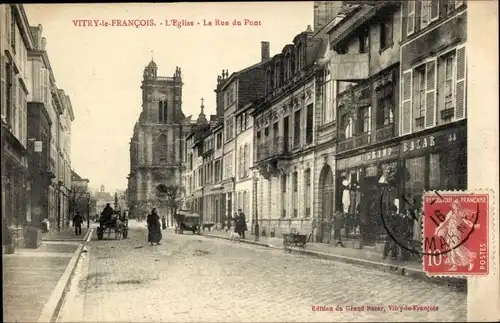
[36, 128]
[365, 109]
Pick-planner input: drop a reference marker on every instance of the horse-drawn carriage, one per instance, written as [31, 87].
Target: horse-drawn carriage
[116, 223]
[187, 221]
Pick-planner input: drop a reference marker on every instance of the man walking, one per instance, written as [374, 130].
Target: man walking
[394, 232]
[77, 223]
[338, 223]
[242, 223]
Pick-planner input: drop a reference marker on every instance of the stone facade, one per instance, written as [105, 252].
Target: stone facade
[157, 143]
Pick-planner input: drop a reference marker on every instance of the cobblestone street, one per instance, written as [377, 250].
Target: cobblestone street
[194, 278]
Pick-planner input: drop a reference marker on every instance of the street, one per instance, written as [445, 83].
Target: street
[198, 279]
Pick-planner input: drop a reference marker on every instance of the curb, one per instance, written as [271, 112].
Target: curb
[82, 240]
[460, 284]
[51, 309]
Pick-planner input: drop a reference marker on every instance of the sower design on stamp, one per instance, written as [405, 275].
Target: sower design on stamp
[455, 234]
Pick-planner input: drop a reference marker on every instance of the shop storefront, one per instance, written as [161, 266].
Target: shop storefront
[364, 185]
[434, 161]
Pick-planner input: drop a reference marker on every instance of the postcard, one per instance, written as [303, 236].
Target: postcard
[321, 161]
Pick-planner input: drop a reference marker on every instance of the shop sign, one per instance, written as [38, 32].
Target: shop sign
[370, 156]
[437, 139]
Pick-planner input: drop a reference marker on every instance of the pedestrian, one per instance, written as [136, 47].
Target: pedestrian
[154, 229]
[163, 223]
[77, 223]
[393, 235]
[242, 223]
[338, 223]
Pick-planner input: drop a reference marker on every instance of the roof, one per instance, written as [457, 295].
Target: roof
[247, 69]
[77, 178]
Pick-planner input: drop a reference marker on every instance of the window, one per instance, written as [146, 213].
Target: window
[162, 111]
[309, 124]
[346, 126]
[229, 129]
[276, 130]
[284, 200]
[341, 49]
[246, 159]
[365, 119]
[292, 64]
[240, 161]
[287, 69]
[429, 12]
[230, 96]
[307, 192]
[419, 98]
[295, 193]
[328, 104]
[410, 24]
[386, 28]
[219, 140]
[238, 125]
[8, 93]
[363, 42]
[300, 61]
[277, 74]
[385, 114]
[296, 129]
[269, 81]
[448, 81]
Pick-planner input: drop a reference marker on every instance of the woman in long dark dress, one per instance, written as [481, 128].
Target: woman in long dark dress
[154, 228]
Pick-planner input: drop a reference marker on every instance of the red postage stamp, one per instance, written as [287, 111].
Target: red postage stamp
[455, 233]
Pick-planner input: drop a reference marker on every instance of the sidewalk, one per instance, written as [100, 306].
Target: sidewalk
[368, 257]
[34, 281]
[67, 234]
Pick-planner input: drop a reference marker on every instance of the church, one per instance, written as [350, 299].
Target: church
[156, 147]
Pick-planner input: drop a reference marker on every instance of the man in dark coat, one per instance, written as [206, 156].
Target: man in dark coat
[393, 226]
[77, 223]
[154, 228]
[242, 223]
[338, 223]
[106, 214]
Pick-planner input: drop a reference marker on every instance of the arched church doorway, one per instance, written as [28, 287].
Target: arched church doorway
[327, 197]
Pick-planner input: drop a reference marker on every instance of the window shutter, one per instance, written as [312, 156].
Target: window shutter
[460, 95]
[430, 105]
[434, 9]
[245, 159]
[406, 89]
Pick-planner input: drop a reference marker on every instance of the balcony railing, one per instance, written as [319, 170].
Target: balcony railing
[274, 147]
[385, 132]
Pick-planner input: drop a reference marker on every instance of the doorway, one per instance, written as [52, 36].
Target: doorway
[327, 190]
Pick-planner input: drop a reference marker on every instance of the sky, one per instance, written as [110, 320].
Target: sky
[101, 67]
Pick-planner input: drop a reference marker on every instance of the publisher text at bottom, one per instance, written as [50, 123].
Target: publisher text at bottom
[375, 308]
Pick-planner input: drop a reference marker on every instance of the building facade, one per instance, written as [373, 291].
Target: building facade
[284, 138]
[236, 93]
[64, 149]
[433, 103]
[15, 42]
[364, 64]
[157, 144]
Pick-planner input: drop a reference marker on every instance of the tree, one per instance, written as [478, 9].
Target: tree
[173, 195]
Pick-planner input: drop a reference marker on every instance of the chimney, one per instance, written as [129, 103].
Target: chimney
[324, 12]
[264, 50]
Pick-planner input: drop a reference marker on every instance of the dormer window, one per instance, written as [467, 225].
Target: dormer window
[269, 80]
[292, 64]
[300, 61]
[277, 73]
[287, 69]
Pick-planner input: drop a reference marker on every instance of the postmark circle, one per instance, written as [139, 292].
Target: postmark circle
[405, 244]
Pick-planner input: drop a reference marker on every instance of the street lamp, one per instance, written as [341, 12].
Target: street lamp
[255, 212]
